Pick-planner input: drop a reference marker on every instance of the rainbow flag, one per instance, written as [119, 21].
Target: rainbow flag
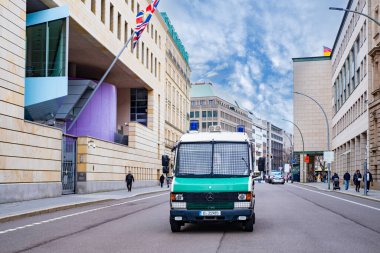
[327, 51]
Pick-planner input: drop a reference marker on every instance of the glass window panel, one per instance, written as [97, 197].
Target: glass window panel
[57, 48]
[231, 159]
[194, 159]
[36, 50]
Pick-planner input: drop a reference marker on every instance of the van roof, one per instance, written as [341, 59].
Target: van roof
[216, 136]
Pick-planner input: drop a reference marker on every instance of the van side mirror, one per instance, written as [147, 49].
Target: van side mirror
[165, 160]
[261, 164]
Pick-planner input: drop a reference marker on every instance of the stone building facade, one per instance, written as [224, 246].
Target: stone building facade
[53, 52]
[211, 107]
[374, 95]
[312, 76]
[177, 89]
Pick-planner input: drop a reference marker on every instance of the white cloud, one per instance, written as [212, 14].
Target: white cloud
[250, 45]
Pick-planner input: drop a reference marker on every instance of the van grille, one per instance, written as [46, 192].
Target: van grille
[210, 206]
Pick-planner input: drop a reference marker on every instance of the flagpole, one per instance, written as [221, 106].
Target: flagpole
[102, 79]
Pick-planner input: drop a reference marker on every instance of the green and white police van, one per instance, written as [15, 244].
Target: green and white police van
[212, 180]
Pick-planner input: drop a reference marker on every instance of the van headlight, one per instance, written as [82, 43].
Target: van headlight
[244, 196]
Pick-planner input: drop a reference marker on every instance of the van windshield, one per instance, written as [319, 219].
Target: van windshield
[218, 159]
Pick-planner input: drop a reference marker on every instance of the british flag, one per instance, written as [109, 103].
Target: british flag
[142, 20]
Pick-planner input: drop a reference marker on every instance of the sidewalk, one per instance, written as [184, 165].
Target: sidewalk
[16, 210]
[372, 194]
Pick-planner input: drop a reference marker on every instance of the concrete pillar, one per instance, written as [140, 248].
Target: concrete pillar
[363, 151]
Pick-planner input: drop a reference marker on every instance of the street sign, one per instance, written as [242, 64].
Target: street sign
[287, 168]
[328, 156]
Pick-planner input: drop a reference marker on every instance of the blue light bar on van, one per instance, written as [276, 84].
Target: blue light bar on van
[240, 129]
[194, 125]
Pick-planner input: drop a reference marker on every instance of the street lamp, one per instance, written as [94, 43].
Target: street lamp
[328, 133]
[360, 13]
[303, 147]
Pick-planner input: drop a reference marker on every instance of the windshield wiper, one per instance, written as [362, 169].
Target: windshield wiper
[245, 162]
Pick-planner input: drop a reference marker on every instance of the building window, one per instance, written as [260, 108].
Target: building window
[155, 67]
[93, 6]
[139, 106]
[191, 115]
[111, 17]
[132, 5]
[209, 114]
[215, 114]
[131, 43]
[204, 126]
[103, 11]
[119, 26]
[204, 114]
[211, 102]
[125, 32]
[46, 49]
[193, 103]
[155, 37]
[196, 114]
[147, 58]
[142, 52]
[159, 71]
[203, 102]
[151, 63]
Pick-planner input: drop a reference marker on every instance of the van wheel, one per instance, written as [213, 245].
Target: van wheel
[175, 226]
[248, 225]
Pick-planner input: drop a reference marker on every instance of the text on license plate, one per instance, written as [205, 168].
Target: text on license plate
[210, 213]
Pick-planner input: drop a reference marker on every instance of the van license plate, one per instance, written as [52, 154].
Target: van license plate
[210, 213]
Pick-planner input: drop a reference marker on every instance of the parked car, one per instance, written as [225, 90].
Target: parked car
[276, 178]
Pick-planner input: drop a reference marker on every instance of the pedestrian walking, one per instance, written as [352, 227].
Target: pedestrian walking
[162, 180]
[129, 179]
[369, 179]
[357, 179]
[168, 181]
[346, 178]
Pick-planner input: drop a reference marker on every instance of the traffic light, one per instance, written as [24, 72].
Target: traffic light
[261, 164]
[165, 160]
[307, 159]
[165, 169]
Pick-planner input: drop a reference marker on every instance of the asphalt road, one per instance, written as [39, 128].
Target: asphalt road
[289, 218]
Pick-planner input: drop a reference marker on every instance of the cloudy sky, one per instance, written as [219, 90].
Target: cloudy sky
[246, 46]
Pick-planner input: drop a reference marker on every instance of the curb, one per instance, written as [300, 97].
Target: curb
[66, 207]
[344, 193]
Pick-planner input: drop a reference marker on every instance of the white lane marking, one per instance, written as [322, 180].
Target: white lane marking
[76, 214]
[331, 196]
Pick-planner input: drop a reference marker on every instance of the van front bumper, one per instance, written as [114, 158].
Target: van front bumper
[226, 215]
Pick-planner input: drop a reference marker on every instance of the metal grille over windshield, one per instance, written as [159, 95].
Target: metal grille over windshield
[231, 159]
[195, 159]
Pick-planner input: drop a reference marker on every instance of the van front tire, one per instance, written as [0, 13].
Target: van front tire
[175, 226]
[248, 225]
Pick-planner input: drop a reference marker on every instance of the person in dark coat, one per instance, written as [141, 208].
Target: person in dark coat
[346, 178]
[369, 179]
[335, 179]
[162, 180]
[357, 179]
[129, 179]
